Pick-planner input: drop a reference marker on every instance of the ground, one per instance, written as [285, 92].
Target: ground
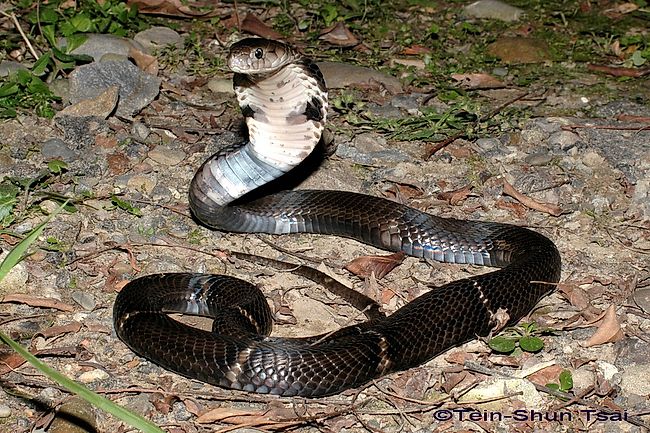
[574, 144]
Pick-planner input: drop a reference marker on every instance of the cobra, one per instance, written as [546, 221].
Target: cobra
[284, 100]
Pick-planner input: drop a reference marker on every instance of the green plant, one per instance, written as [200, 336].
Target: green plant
[565, 382]
[525, 337]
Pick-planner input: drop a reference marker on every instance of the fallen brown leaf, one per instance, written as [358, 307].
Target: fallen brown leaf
[34, 301]
[364, 266]
[414, 50]
[546, 375]
[456, 196]
[255, 26]
[516, 208]
[609, 329]
[338, 34]
[529, 202]
[175, 8]
[619, 72]
[452, 380]
[144, 61]
[55, 331]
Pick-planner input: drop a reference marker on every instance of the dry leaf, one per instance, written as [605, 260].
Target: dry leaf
[516, 208]
[255, 26]
[609, 330]
[456, 196]
[452, 380]
[175, 8]
[529, 202]
[144, 61]
[338, 34]
[55, 331]
[364, 266]
[478, 81]
[546, 375]
[34, 301]
[575, 295]
[414, 50]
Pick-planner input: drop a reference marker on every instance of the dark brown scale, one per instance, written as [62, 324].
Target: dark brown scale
[239, 354]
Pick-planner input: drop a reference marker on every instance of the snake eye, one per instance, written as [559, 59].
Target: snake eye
[259, 53]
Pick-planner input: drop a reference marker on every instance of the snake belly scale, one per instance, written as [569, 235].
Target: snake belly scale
[284, 100]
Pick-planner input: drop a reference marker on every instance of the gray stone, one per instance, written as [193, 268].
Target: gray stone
[98, 45]
[156, 38]
[166, 156]
[55, 148]
[5, 411]
[9, 67]
[136, 88]
[220, 85]
[370, 148]
[342, 75]
[140, 131]
[493, 9]
[86, 300]
[564, 139]
[540, 158]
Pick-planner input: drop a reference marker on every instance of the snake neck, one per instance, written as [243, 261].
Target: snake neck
[285, 113]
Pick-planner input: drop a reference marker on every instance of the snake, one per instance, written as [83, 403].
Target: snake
[284, 99]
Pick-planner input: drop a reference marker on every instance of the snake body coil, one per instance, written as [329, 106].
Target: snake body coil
[284, 100]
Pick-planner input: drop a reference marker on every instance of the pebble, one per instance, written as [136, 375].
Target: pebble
[493, 9]
[86, 300]
[136, 88]
[220, 85]
[93, 375]
[5, 411]
[55, 148]
[166, 156]
[140, 131]
[155, 38]
[142, 182]
[564, 139]
[635, 379]
[74, 416]
[540, 158]
[16, 280]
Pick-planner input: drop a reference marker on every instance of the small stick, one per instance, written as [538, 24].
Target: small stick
[22, 33]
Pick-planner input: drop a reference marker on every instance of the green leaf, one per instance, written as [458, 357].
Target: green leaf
[57, 166]
[531, 344]
[74, 41]
[502, 344]
[566, 380]
[8, 89]
[96, 400]
[40, 66]
[36, 85]
[18, 252]
[638, 59]
[49, 34]
[125, 205]
[553, 386]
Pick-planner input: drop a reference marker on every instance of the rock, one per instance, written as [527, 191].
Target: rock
[342, 75]
[86, 300]
[370, 148]
[564, 139]
[5, 411]
[92, 376]
[166, 156]
[55, 148]
[140, 131]
[220, 85]
[8, 67]
[74, 416]
[16, 280]
[493, 388]
[156, 38]
[642, 299]
[141, 182]
[136, 88]
[518, 50]
[99, 45]
[635, 379]
[100, 106]
[493, 9]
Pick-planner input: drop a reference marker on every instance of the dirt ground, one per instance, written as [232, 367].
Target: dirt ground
[590, 165]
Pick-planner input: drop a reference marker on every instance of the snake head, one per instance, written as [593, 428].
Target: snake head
[258, 56]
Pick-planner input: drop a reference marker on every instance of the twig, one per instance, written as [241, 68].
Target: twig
[22, 33]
